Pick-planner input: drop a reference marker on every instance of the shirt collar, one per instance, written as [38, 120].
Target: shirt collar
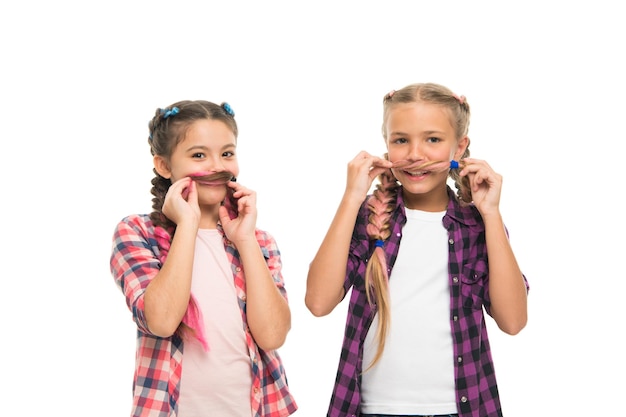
[457, 212]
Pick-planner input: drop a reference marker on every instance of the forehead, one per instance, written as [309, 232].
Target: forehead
[209, 132]
[428, 116]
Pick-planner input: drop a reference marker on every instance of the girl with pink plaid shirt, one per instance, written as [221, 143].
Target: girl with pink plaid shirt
[203, 283]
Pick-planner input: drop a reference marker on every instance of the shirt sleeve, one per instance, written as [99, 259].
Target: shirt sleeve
[270, 251]
[359, 251]
[134, 263]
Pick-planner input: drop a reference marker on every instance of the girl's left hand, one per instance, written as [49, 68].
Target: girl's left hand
[243, 226]
[485, 184]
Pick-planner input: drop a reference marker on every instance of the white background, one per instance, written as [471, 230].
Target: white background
[79, 82]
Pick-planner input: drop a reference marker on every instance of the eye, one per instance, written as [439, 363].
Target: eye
[197, 155]
[400, 141]
[433, 139]
[228, 154]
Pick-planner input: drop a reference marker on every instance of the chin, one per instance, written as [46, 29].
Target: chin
[211, 197]
[418, 188]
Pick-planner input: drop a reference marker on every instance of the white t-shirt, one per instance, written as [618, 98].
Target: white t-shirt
[415, 374]
[217, 382]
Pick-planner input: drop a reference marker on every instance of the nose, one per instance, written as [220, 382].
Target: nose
[214, 163]
[415, 152]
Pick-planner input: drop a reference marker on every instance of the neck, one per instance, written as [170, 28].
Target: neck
[426, 202]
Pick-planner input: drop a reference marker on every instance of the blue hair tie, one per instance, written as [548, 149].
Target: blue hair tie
[228, 109]
[167, 113]
[380, 243]
[454, 164]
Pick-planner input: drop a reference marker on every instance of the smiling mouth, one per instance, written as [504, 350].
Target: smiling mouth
[416, 173]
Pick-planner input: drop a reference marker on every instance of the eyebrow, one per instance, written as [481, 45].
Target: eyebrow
[204, 148]
[428, 132]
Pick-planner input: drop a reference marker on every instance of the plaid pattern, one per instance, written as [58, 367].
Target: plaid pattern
[475, 381]
[156, 384]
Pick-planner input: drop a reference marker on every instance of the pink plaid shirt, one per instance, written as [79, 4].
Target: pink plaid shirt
[158, 365]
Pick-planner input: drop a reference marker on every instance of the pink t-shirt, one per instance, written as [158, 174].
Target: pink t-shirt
[217, 382]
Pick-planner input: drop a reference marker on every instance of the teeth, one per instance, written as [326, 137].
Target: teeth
[418, 173]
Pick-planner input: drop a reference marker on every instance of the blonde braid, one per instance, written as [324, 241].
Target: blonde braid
[381, 203]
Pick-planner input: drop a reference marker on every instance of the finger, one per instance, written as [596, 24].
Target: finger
[224, 215]
[181, 187]
[241, 192]
[238, 189]
[376, 171]
[382, 163]
[192, 192]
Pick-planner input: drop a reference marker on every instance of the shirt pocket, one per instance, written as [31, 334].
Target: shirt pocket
[473, 279]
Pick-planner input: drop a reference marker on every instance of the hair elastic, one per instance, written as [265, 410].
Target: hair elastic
[228, 109]
[380, 243]
[454, 164]
[172, 112]
[460, 99]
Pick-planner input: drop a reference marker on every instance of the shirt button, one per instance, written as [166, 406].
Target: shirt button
[451, 241]
[238, 269]
[455, 279]
[455, 318]
[464, 399]
[243, 298]
[398, 234]
[459, 359]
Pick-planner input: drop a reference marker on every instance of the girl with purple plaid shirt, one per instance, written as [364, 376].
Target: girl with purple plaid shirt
[203, 283]
[422, 264]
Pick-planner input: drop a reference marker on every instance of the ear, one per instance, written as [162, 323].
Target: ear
[161, 166]
[461, 147]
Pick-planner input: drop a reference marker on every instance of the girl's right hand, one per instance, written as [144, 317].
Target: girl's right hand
[181, 202]
[362, 171]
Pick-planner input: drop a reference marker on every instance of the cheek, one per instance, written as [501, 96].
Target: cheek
[234, 168]
[394, 154]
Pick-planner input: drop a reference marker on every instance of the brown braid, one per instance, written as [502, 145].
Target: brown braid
[159, 189]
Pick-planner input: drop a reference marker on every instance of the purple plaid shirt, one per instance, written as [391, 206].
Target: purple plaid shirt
[474, 375]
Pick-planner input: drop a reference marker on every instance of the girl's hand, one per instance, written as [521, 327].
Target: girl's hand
[485, 185]
[362, 171]
[243, 226]
[181, 202]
